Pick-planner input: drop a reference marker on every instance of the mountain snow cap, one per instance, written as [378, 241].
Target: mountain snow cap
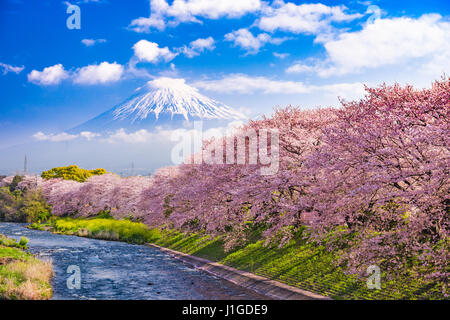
[171, 96]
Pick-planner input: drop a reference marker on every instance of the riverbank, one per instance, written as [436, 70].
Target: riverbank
[301, 264]
[22, 276]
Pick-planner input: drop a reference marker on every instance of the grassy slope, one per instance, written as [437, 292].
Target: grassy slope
[301, 264]
[22, 276]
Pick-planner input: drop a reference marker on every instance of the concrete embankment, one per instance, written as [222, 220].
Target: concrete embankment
[269, 288]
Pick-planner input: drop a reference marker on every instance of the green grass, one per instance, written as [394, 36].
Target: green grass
[7, 242]
[107, 229]
[22, 276]
[12, 253]
[300, 263]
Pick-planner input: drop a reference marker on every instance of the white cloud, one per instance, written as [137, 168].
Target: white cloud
[103, 73]
[280, 55]
[389, 41]
[54, 137]
[89, 135]
[9, 68]
[143, 25]
[64, 136]
[198, 46]
[92, 1]
[91, 42]
[140, 136]
[49, 76]
[201, 44]
[347, 91]
[300, 68]
[247, 41]
[67, 3]
[304, 18]
[156, 19]
[163, 13]
[172, 72]
[147, 51]
[244, 84]
[423, 42]
[159, 134]
[241, 83]
[187, 10]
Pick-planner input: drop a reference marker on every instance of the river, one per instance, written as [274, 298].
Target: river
[116, 270]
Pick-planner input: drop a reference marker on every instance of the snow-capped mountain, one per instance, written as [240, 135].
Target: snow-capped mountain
[116, 138]
[161, 102]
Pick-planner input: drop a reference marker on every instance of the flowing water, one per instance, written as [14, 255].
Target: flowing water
[117, 270]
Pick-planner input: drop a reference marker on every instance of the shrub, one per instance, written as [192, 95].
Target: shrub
[23, 242]
[72, 172]
[29, 206]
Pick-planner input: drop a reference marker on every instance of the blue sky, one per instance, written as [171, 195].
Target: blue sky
[252, 55]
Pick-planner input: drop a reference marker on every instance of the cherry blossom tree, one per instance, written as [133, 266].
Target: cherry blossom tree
[383, 173]
[369, 179]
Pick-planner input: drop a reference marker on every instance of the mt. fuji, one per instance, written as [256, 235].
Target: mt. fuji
[136, 130]
[165, 102]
